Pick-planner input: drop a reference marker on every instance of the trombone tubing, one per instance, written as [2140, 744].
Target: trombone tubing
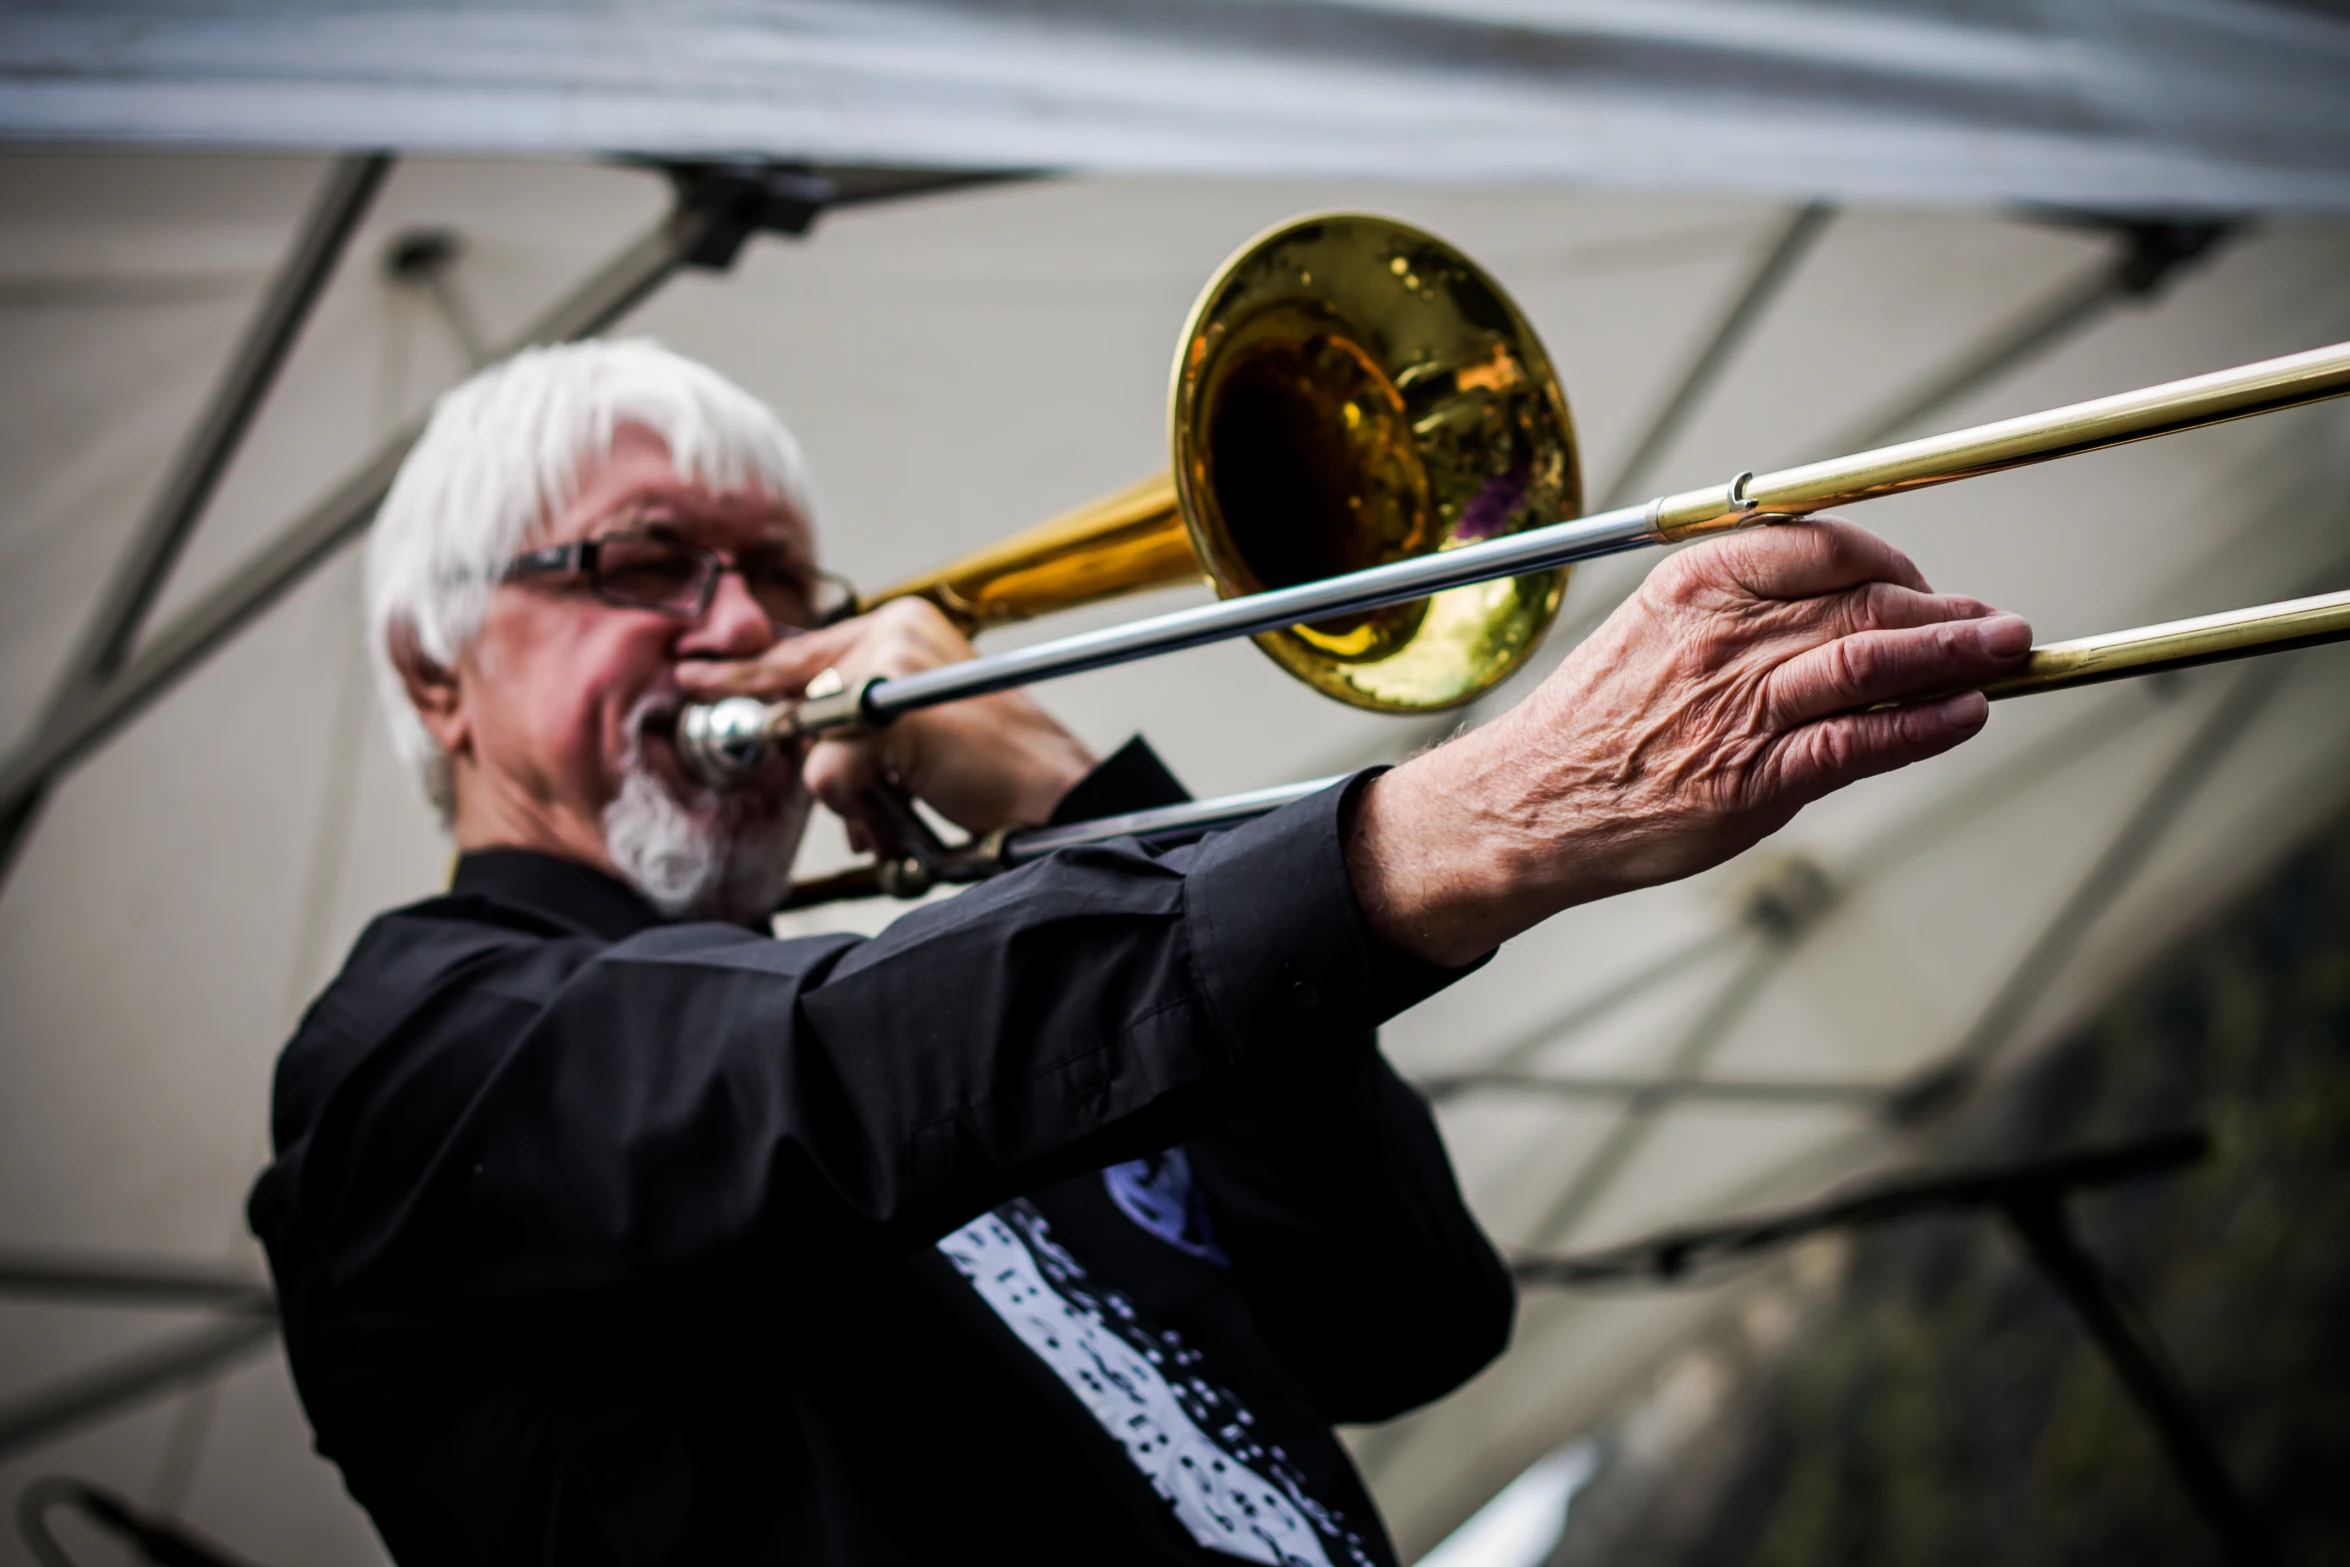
[2179, 644]
[2053, 666]
[2271, 384]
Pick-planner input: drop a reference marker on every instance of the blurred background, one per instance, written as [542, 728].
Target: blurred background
[953, 244]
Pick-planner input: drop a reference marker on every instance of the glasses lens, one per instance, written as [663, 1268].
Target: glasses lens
[793, 593]
[658, 573]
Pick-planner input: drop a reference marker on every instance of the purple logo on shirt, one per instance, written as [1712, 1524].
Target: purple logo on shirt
[1157, 1193]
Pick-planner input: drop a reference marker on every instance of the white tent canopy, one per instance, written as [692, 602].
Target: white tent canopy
[2203, 105]
[961, 363]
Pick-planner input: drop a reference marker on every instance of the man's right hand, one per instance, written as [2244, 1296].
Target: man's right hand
[1733, 689]
[993, 761]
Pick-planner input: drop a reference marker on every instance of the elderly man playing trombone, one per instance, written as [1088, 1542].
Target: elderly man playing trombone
[1062, 1220]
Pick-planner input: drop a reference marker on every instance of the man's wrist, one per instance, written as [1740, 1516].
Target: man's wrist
[1427, 882]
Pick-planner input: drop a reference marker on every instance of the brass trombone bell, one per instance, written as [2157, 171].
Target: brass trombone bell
[1349, 391]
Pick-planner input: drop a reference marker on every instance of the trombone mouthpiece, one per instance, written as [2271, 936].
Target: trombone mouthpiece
[723, 744]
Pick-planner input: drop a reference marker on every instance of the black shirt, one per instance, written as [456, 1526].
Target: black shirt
[1059, 1222]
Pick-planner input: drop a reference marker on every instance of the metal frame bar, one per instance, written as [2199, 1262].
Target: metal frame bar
[1581, 1014]
[1937, 1089]
[1721, 1090]
[73, 1400]
[1787, 250]
[2043, 1225]
[130, 1283]
[2031, 1198]
[2152, 253]
[188, 486]
[1597, 1173]
[421, 261]
[1672, 1255]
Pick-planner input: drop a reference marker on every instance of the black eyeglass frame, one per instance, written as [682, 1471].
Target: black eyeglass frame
[584, 556]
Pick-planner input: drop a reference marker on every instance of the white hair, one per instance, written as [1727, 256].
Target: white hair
[503, 454]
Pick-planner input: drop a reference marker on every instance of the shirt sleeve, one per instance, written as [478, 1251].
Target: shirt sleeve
[1132, 778]
[504, 1117]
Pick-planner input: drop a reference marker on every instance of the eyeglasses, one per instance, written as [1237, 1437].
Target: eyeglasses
[649, 569]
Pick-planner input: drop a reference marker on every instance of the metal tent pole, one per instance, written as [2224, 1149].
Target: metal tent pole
[2030, 1196]
[195, 474]
[138, 1375]
[1942, 1085]
[2153, 251]
[130, 1283]
[1598, 1173]
[2041, 1221]
[1778, 264]
[1716, 1090]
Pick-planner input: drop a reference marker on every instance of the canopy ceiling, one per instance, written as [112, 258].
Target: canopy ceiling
[963, 363]
[2169, 105]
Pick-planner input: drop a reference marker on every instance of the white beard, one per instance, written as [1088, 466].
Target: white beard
[731, 860]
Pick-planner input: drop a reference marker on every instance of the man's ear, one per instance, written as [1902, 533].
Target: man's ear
[433, 690]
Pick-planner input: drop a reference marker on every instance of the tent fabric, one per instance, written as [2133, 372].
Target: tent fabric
[964, 364]
[2169, 105]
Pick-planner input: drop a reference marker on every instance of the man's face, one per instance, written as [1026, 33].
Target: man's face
[568, 702]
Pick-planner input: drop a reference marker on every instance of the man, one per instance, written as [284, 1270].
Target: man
[1061, 1221]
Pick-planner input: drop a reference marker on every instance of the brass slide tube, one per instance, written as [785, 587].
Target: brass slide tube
[2053, 666]
[2272, 384]
[2179, 644]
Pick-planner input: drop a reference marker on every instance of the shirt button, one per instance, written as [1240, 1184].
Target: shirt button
[1303, 995]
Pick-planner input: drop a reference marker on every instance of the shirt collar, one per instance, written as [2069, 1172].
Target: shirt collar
[574, 894]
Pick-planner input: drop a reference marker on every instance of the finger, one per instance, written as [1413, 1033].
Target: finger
[1790, 626]
[902, 637]
[1886, 666]
[1888, 606]
[1806, 559]
[782, 670]
[1825, 755]
[840, 772]
[899, 638]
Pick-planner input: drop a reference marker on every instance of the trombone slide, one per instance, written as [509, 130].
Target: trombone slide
[2222, 395]
[2179, 644]
[2052, 666]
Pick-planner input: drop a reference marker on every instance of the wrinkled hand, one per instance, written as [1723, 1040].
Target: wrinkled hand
[1732, 690]
[993, 761]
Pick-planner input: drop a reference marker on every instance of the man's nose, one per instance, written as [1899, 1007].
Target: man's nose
[734, 626]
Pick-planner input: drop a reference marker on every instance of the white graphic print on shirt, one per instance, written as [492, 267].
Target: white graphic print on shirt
[1233, 1493]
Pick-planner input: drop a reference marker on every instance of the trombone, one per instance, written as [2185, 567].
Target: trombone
[1371, 461]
